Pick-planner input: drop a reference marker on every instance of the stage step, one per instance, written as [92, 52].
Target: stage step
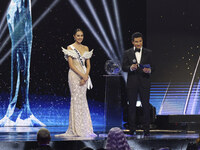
[182, 122]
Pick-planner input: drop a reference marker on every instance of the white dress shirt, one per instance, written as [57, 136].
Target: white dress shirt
[138, 55]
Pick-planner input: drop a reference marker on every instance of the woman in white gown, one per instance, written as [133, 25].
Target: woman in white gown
[77, 55]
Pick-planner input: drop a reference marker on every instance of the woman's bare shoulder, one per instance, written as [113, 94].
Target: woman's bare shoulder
[85, 48]
[69, 47]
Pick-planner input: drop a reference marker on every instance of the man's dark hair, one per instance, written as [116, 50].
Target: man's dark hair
[136, 35]
[43, 136]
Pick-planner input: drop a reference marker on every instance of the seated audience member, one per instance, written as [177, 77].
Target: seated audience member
[43, 139]
[116, 140]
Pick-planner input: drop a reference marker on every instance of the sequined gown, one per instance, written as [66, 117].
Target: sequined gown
[80, 123]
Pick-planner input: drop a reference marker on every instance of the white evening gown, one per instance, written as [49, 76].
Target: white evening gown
[80, 123]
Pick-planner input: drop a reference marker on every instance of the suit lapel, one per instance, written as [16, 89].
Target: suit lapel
[143, 56]
[132, 56]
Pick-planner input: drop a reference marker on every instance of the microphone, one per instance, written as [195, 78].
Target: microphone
[134, 61]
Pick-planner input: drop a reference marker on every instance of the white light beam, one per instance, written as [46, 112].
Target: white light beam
[3, 22]
[117, 17]
[91, 8]
[111, 25]
[191, 84]
[91, 28]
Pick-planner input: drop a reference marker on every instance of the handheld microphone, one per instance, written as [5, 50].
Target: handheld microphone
[134, 61]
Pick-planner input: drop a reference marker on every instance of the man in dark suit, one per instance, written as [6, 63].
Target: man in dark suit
[137, 61]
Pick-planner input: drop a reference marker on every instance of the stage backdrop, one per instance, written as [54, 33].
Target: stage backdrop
[53, 24]
[171, 32]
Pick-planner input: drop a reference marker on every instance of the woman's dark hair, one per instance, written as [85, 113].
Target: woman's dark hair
[136, 35]
[77, 30]
[116, 140]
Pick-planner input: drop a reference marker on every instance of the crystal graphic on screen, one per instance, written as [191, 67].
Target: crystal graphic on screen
[20, 27]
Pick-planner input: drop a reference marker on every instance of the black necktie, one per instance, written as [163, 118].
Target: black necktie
[137, 50]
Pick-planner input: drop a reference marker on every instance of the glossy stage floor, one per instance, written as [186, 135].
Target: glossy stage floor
[24, 138]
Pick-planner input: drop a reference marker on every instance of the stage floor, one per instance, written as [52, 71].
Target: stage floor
[22, 138]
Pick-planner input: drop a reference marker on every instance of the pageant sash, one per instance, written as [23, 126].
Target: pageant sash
[89, 86]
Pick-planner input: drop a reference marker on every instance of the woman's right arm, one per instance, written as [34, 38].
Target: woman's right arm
[71, 65]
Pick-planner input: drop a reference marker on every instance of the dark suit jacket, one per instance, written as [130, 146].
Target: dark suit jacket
[137, 75]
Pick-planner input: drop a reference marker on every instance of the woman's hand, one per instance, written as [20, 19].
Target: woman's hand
[82, 82]
[85, 77]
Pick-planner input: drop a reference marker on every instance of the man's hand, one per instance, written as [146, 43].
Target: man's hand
[133, 67]
[147, 70]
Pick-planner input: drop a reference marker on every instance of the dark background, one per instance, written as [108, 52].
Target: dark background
[49, 70]
[173, 33]
[170, 29]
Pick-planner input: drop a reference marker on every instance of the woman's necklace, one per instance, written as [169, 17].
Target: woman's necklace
[78, 45]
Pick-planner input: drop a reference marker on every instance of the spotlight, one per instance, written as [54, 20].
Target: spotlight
[117, 18]
[98, 22]
[91, 28]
